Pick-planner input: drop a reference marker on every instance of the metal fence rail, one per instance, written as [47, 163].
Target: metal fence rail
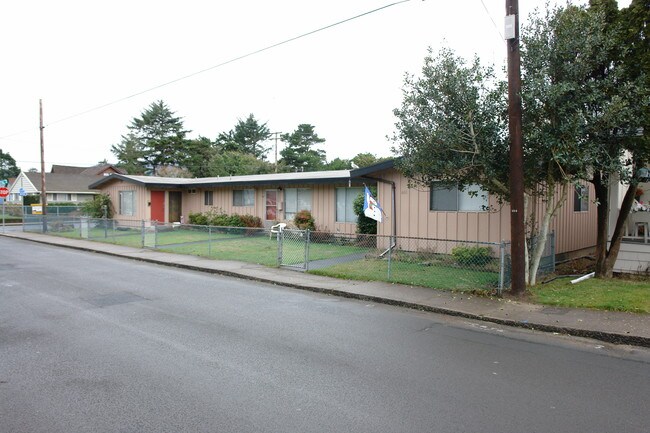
[436, 263]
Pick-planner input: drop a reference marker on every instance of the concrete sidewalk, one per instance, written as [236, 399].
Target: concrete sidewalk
[612, 327]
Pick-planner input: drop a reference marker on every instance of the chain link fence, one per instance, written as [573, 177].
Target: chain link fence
[436, 263]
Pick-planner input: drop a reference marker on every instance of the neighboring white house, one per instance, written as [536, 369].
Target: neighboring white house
[72, 188]
[64, 183]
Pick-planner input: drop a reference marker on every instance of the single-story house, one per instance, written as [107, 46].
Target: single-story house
[439, 213]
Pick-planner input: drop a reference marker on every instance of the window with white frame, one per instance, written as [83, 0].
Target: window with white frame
[208, 198]
[445, 197]
[243, 197]
[296, 199]
[62, 197]
[344, 204]
[581, 199]
[127, 203]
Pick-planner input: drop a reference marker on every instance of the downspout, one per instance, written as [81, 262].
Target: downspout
[393, 240]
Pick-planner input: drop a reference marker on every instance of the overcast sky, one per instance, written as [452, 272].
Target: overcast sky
[345, 80]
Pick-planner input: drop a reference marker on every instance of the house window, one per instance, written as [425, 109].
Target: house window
[445, 197]
[127, 203]
[62, 197]
[208, 198]
[243, 197]
[191, 191]
[581, 198]
[296, 199]
[344, 204]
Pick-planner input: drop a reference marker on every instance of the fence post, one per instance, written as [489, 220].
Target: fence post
[552, 251]
[155, 236]
[142, 234]
[280, 239]
[502, 267]
[390, 255]
[307, 240]
[209, 241]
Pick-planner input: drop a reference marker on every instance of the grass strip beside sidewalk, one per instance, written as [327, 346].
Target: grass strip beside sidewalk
[602, 294]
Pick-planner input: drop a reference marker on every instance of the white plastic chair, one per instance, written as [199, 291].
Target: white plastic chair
[277, 229]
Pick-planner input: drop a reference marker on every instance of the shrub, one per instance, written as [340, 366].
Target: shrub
[365, 225]
[250, 221]
[221, 219]
[95, 207]
[199, 219]
[476, 256]
[304, 220]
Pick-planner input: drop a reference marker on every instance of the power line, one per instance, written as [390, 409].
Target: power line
[227, 62]
[491, 19]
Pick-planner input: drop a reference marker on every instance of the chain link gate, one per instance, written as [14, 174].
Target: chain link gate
[293, 249]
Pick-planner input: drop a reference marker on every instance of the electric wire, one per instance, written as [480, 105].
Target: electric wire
[227, 62]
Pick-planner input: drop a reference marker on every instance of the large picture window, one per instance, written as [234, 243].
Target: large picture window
[296, 199]
[344, 204]
[243, 197]
[127, 203]
[445, 197]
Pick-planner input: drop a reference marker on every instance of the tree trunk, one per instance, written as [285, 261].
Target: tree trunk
[602, 198]
[540, 245]
[617, 236]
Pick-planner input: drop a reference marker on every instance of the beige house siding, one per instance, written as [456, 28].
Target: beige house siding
[142, 209]
[323, 206]
[574, 230]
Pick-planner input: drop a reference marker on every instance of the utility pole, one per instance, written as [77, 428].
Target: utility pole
[43, 189]
[276, 150]
[517, 229]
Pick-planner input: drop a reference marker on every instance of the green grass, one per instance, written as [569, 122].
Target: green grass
[416, 274]
[261, 250]
[614, 294]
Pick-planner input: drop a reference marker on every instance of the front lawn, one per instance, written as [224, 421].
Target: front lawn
[615, 294]
[437, 276]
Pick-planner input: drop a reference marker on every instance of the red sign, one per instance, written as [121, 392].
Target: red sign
[4, 192]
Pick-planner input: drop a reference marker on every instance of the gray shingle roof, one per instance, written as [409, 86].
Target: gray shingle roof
[61, 182]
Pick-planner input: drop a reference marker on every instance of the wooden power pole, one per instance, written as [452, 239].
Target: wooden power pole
[43, 188]
[517, 229]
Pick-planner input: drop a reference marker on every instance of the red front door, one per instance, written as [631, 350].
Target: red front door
[158, 206]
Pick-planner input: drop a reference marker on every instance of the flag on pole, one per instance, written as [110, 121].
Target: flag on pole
[371, 208]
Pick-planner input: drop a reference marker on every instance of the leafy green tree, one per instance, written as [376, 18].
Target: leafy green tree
[617, 113]
[338, 164]
[247, 137]
[8, 166]
[367, 159]
[198, 154]
[155, 139]
[233, 163]
[452, 129]
[300, 153]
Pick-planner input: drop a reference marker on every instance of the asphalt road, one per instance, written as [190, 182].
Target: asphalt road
[91, 343]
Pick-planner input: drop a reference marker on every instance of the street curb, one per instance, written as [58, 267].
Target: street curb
[608, 337]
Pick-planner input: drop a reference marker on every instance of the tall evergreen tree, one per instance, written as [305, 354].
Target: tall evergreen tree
[299, 153]
[155, 139]
[247, 137]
